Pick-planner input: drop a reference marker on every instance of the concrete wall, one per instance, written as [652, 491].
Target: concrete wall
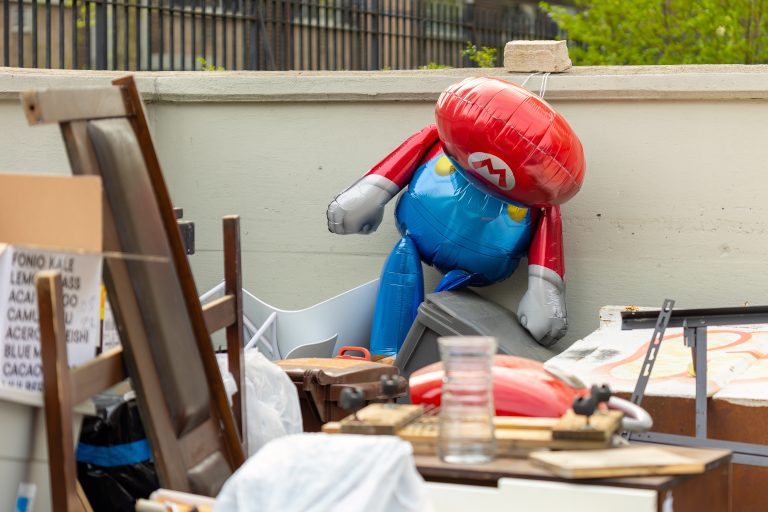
[673, 204]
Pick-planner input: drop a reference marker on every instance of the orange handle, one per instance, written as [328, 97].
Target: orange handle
[343, 350]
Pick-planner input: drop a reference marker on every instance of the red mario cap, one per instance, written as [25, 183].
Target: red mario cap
[509, 142]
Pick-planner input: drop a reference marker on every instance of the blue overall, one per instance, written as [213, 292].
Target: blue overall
[445, 221]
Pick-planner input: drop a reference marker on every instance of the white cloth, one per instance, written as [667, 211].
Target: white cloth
[327, 472]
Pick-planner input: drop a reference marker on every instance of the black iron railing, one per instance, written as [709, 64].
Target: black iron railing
[254, 34]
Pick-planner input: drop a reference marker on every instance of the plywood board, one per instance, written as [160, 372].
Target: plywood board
[631, 461]
[598, 427]
[515, 436]
[381, 419]
[424, 435]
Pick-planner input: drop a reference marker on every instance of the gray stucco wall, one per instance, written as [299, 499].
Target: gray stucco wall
[673, 204]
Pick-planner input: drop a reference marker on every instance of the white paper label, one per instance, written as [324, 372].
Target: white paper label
[109, 335]
[19, 328]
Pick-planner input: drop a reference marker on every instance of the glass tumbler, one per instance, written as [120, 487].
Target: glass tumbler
[466, 407]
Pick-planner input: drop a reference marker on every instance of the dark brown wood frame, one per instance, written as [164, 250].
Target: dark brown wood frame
[174, 455]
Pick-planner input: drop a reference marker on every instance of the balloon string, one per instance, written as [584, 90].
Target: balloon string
[543, 89]
[529, 77]
[544, 81]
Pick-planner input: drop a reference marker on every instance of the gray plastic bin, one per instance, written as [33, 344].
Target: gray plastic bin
[463, 312]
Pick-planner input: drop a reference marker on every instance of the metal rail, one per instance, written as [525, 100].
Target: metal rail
[694, 323]
[256, 34]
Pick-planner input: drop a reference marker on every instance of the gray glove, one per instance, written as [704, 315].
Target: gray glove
[542, 309]
[360, 208]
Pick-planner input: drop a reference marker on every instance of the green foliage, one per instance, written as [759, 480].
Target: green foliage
[434, 65]
[205, 66]
[484, 57]
[616, 32]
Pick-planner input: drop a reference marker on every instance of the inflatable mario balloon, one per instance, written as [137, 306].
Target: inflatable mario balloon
[483, 189]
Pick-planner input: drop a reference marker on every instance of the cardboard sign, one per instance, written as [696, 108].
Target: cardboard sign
[48, 223]
[51, 212]
[19, 325]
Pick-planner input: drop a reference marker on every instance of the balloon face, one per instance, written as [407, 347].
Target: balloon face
[510, 143]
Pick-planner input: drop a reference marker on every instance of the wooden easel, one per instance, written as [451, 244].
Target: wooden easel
[167, 350]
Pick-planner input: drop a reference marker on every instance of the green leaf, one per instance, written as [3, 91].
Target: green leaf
[643, 32]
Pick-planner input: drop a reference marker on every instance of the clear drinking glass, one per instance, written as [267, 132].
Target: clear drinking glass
[466, 406]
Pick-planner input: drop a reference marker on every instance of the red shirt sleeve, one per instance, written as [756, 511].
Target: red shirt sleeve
[400, 164]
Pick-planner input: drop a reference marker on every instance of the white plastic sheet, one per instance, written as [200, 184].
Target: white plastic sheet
[324, 473]
[230, 386]
[271, 400]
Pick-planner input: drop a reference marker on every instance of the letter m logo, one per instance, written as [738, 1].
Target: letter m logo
[493, 169]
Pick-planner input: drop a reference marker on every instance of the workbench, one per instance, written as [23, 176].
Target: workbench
[517, 484]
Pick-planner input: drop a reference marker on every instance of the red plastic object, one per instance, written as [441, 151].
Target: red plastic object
[521, 387]
[343, 350]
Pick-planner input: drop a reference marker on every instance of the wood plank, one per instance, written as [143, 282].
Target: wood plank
[500, 422]
[510, 442]
[614, 463]
[515, 436]
[196, 445]
[219, 313]
[65, 105]
[56, 394]
[138, 357]
[601, 426]
[82, 158]
[518, 422]
[381, 419]
[432, 468]
[332, 427]
[97, 375]
[233, 287]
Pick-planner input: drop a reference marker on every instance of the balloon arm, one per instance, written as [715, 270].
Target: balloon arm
[546, 249]
[401, 163]
[360, 208]
[542, 309]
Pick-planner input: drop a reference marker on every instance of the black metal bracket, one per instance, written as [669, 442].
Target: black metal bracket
[662, 320]
[187, 228]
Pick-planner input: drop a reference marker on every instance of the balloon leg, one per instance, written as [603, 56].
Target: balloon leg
[401, 290]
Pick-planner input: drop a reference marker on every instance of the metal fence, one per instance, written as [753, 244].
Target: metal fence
[256, 34]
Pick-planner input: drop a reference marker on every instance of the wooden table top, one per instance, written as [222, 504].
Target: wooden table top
[432, 468]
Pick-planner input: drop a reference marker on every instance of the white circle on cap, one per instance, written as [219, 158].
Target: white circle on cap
[493, 169]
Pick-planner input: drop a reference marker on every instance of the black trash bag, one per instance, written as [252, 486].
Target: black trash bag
[114, 459]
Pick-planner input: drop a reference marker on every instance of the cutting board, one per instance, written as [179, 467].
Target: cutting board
[630, 461]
